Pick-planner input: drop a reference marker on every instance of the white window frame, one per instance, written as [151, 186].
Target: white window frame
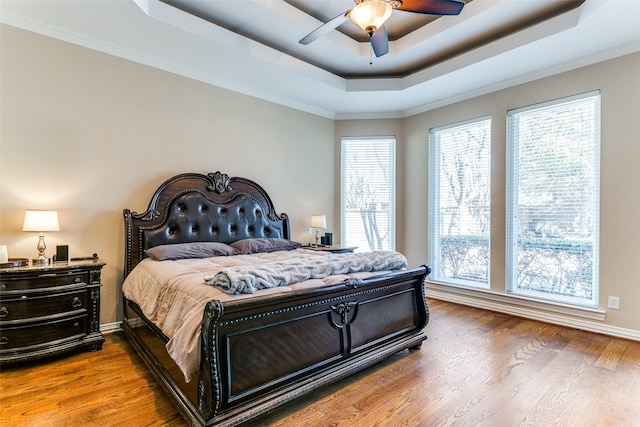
[351, 229]
[471, 272]
[517, 213]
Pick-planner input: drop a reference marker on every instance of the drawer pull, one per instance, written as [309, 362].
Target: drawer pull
[4, 340]
[3, 286]
[76, 303]
[76, 324]
[4, 312]
[77, 280]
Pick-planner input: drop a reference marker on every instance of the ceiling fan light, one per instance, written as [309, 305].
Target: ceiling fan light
[370, 14]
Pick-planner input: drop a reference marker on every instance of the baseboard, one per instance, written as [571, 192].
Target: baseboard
[488, 303]
[109, 328]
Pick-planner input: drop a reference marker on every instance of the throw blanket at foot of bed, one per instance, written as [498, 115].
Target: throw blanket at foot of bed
[249, 279]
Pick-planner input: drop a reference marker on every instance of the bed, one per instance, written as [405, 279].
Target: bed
[257, 351]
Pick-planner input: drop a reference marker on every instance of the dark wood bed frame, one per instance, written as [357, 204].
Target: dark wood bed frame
[260, 353]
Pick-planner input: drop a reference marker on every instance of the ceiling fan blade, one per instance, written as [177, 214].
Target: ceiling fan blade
[432, 7]
[325, 28]
[380, 41]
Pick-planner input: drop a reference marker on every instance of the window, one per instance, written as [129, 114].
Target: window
[368, 193]
[459, 203]
[553, 158]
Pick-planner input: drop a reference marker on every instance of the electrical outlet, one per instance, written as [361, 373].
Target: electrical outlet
[310, 230]
[614, 303]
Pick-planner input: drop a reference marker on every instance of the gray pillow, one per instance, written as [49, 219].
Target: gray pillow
[190, 250]
[252, 246]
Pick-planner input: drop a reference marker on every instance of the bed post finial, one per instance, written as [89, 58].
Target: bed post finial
[220, 182]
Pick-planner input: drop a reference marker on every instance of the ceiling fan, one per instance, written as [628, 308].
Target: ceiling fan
[370, 15]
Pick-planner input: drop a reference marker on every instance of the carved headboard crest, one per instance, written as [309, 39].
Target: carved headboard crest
[220, 182]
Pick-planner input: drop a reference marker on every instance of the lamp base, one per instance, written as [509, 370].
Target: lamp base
[40, 261]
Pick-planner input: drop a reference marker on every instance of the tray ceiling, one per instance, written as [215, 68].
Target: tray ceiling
[251, 46]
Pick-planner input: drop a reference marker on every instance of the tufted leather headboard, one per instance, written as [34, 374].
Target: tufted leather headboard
[193, 207]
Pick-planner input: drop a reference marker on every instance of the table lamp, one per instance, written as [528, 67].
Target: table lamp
[318, 222]
[40, 221]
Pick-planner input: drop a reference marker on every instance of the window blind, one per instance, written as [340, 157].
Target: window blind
[368, 192]
[553, 161]
[459, 202]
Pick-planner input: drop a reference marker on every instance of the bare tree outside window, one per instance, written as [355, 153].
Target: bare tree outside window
[459, 203]
[368, 193]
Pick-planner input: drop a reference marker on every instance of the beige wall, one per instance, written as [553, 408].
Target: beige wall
[90, 134]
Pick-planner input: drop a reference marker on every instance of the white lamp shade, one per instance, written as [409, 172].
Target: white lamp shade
[370, 14]
[318, 221]
[35, 220]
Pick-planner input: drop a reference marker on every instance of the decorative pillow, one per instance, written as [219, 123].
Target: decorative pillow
[190, 250]
[252, 246]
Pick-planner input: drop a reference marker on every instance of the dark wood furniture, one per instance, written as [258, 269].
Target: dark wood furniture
[258, 353]
[49, 309]
[334, 249]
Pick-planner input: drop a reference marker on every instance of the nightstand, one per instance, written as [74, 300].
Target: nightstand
[335, 249]
[49, 309]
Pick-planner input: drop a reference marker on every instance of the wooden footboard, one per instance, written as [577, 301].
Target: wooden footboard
[258, 355]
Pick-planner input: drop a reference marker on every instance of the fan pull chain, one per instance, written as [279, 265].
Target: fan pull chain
[370, 54]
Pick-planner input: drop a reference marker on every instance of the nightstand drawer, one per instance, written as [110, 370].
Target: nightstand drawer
[25, 308]
[43, 280]
[42, 334]
[49, 309]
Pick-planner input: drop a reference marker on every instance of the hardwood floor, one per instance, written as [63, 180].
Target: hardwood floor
[477, 368]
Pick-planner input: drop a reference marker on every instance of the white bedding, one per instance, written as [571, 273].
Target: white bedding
[172, 294]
